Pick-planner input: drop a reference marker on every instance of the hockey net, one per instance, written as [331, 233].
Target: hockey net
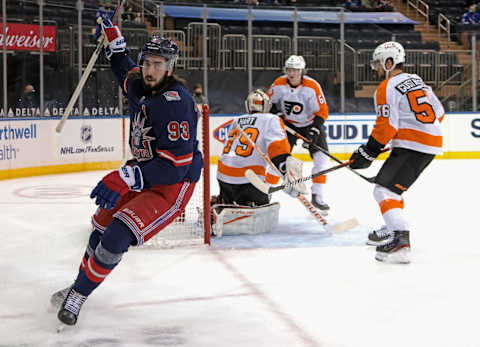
[192, 227]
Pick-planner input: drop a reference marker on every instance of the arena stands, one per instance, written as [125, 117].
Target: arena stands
[318, 38]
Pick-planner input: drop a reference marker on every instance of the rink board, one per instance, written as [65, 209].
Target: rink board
[30, 147]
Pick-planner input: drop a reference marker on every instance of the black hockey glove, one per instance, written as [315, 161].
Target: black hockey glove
[312, 136]
[365, 154]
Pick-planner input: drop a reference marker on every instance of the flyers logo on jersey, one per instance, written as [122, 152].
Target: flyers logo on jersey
[292, 107]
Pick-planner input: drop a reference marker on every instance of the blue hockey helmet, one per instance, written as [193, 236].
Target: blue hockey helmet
[162, 47]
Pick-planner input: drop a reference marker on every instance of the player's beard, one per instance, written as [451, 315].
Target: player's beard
[157, 86]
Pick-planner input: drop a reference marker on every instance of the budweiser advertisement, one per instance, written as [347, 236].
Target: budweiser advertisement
[26, 37]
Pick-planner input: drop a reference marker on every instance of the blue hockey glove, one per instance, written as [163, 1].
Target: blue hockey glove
[115, 41]
[116, 184]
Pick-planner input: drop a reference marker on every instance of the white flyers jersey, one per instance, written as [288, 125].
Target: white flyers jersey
[408, 114]
[300, 105]
[238, 155]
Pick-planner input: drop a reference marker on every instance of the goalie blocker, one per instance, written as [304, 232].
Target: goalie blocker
[244, 220]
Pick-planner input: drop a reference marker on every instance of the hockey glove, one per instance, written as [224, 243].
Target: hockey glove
[312, 136]
[115, 41]
[294, 169]
[365, 154]
[116, 184]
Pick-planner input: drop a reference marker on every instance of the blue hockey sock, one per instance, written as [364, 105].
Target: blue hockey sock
[93, 241]
[108, 253]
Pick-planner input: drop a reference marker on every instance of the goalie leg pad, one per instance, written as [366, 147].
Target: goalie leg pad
[244, 220]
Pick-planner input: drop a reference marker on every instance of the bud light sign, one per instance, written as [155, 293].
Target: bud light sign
[221, 132]
[349, 130]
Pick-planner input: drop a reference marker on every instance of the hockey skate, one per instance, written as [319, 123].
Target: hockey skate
[397, 250]
[320, 205]
[70, 308]
[57, 298]
[379, 237]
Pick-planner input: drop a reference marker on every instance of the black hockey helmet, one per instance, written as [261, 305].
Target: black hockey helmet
[162, 47]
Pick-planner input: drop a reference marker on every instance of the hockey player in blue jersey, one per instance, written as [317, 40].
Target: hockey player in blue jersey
[143, 197]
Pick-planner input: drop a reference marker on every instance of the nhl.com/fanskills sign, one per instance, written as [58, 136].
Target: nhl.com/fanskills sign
[86, 137]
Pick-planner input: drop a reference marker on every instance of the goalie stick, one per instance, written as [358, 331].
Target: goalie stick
[304, 139]
[267, 189]
[86, 73]
[339, 227]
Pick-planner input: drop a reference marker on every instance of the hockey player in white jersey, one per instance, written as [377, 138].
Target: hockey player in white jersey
[238, 155]
[408, 116]
[302, 104]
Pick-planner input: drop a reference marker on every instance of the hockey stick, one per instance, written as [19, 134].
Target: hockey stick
[267, 189]
[86, 73]
[348, 224]
[304, 139]
[304, 201]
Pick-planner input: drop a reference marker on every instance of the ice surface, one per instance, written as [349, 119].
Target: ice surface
[296, 286]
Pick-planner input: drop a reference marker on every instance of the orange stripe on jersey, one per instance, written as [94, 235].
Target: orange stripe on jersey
[271, 179]
[441, 118]
[136, 68]
[280, 81]
[419, 137]
[383, 131]
[381, 96]
[322, 107]
[278, 147]
[320, 179]
[239, 171]
[388, 204]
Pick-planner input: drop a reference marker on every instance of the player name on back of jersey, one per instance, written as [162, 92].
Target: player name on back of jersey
[243, 121]
[409, 84]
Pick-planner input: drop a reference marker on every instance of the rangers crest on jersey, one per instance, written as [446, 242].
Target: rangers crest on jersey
[292, 107]
[172, 95]
[139, 141]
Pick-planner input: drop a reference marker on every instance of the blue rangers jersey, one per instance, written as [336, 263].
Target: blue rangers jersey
[163, 129]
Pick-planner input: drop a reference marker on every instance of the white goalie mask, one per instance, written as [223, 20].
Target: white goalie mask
[258, 101]
[295, 62]
[387, 50]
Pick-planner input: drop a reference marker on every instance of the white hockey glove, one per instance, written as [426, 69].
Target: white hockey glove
[115, 42]
[294, 170]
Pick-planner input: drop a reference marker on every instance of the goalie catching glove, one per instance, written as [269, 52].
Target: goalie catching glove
[293, 169]
[116, 184]
[115, 42]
